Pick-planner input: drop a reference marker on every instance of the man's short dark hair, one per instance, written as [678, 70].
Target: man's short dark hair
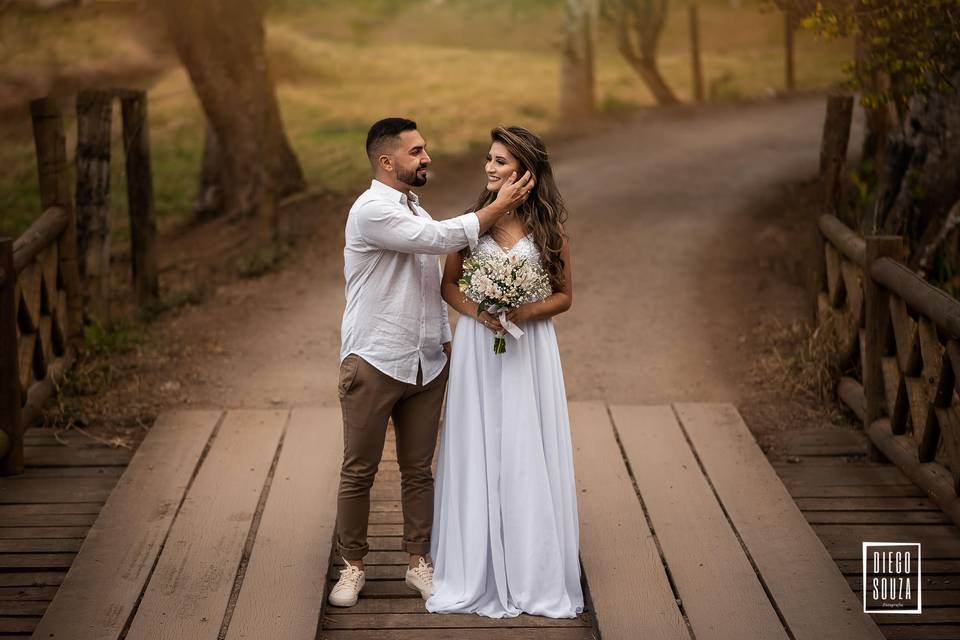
[384, 130]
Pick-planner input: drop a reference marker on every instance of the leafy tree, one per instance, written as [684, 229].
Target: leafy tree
[907, 69]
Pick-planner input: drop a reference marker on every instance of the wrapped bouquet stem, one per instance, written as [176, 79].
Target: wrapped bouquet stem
[501, 283]
[499, 342]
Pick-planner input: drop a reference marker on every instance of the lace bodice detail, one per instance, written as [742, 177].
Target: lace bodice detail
[524, 248]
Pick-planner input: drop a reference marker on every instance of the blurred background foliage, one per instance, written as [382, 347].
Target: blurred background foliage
[458, 67]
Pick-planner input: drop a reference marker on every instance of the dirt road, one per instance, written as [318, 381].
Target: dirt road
[672, 264]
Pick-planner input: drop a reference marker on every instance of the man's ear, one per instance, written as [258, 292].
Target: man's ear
[385, 162]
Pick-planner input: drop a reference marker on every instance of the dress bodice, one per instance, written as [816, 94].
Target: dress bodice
[524, 248]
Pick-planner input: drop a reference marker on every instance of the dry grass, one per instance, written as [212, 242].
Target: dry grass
[800, 359]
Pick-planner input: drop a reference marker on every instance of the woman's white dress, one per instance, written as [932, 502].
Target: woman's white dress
[505, 535]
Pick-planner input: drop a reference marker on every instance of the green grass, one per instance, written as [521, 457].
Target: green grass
[458, 67]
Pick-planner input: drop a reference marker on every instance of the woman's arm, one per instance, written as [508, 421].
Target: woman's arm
[554, 304]
[450, 291]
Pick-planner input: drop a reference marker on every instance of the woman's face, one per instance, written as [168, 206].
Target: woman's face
[500, 164]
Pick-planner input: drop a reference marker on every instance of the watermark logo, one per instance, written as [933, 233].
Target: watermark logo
[891, 577]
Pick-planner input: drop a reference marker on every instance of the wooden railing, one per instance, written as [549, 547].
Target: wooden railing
[40, 305]
[41, 294]
[900, 337]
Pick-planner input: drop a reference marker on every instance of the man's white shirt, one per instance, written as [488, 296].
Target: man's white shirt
[394, 317]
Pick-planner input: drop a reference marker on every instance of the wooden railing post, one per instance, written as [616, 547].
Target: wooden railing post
[11, 431]
[94, 115]
[143, 225]
[877, 320]
[55, 192]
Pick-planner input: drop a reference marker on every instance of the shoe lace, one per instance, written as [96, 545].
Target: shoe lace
[424, 571]
[349, 575]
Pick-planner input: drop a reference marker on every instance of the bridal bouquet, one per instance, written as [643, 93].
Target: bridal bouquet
[500, 283]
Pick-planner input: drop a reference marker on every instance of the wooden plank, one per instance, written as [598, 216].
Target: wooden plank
[488, 633]
[15, 512]
[619, 556]
[438, 621]
[283, 586]
[841, 475]
[26, 490]
[928, 583]
[844, 540]
[21, 561]
[71, 457]
[871, 503]
[17, 625]
[855, 491]
[876, 517]
[103, 585]
[366, 605]
[23, 607]
[74, 472]
[32, 579]
[930, 615]
[726, 601]
[935, 598]
[40, 545]
[384, 589]
[931, 566]
[42, 533]
[825, 442]
[373, 571]
[188, 591]
[39, 594]
[913, 632]
[809, 590]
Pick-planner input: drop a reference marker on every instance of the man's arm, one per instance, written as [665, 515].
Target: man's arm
[391, 227]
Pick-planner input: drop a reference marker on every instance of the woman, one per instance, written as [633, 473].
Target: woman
[505, 531]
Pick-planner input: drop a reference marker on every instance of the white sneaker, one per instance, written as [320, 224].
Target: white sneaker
[345, 592]
[421, 579]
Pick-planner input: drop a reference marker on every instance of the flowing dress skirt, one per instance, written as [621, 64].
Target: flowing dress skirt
[505, 535]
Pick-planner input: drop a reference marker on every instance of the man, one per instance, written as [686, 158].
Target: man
[395, 343]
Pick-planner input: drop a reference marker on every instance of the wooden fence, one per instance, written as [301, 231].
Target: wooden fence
[899, 337]
[41, 291]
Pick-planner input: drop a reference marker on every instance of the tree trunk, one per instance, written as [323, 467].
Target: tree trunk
[650, 74]
[639, 24]
[576, 67]
[833, 149]
[221, 44]
[696, 65]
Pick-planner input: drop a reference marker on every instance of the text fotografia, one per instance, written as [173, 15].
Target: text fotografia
[891, 577]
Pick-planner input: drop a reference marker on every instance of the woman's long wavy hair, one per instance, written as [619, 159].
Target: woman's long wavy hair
[543, 212]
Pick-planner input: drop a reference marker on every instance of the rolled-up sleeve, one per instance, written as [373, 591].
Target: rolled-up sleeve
[389, 226]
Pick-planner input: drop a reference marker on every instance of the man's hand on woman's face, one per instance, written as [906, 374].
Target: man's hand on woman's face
[514, 192]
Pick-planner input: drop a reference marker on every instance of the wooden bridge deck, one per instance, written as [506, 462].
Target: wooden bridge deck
[847, 499]
[222, 523]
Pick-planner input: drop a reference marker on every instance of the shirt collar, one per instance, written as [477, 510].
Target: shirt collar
[393, 194]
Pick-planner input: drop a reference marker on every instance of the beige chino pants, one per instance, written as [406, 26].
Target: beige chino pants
[368, 397]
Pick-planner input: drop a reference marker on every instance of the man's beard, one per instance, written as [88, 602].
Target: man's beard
[412, 178]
